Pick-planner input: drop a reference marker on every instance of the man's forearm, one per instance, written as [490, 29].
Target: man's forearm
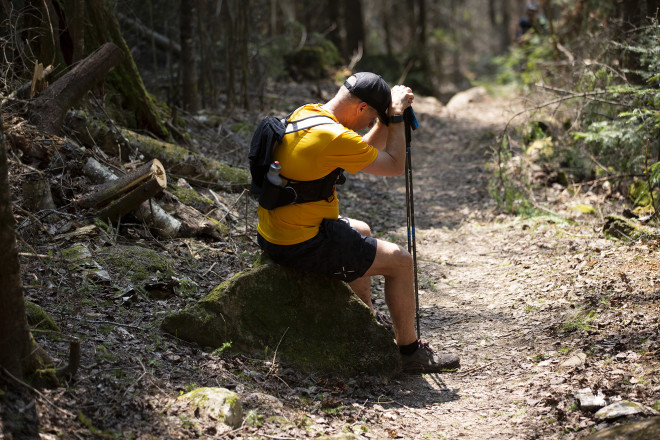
[395, 145]
[377, 136]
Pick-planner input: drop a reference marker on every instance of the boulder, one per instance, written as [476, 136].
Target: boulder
[215, 403]
[642, 430]
[623, 408]
[463, 99]
[311, 322]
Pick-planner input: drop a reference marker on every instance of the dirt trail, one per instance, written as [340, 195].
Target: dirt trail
[499, 290]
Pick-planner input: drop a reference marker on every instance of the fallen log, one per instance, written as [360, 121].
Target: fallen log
[188, 221]
[150, 176]
[120, 196]
[178, 160]
[47, 110]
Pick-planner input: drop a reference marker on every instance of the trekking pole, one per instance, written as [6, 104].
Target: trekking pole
[410, 122]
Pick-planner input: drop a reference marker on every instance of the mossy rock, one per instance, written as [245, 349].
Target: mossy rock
[625, 229]
[38, 319]
[312, 322]
[541, 149]
[137, 263]
[216, 404]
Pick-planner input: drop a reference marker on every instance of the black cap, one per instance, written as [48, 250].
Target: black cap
[373, 90]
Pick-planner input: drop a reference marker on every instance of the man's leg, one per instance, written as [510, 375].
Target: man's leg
[396, 264]
[362, 286]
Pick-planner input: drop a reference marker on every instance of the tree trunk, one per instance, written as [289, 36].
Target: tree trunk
[41, 31]
[632, 15]
[387, 28]
[78, 31]
[14, 330]
[505, 29]
[188, 86]
[48, 110]
[243, 38]
[20, 355]
[354, 27]
[229, 15]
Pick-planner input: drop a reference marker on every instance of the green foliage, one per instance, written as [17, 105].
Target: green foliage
[613, 122]
[579, 321]
[219, 351]
[621, 129]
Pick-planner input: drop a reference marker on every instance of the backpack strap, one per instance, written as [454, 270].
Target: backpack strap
[305, 123]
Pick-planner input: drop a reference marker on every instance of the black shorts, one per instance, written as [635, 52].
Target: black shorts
[337, 251]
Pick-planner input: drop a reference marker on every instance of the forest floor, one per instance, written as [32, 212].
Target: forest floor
[538, 308]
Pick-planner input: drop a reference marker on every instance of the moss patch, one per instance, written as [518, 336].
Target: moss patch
[584, 209]
[627, 230]
[639, 194]
[137, 264]
[192, 198]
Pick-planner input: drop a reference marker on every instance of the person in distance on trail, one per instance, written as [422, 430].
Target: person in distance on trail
[531, 20]
[313, 236]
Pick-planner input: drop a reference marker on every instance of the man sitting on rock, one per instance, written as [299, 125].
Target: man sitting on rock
[313, 237]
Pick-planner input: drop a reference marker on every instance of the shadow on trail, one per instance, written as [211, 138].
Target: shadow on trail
[420, 392]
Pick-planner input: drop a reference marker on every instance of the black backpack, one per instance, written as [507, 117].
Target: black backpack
[266, 138]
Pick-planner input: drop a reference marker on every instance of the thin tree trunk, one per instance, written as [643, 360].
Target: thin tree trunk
[354, 26]
[243, 37]
[188, 86]
[78, 31]
[14, 330]
[204, 68]
[505, 30]
[230, 40]
[387, 29]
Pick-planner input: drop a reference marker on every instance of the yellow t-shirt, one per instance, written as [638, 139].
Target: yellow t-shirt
[309, 155]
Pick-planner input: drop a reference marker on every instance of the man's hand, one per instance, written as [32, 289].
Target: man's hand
[402, 98]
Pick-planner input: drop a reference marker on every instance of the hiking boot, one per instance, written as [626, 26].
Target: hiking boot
[425, 360]
[385, 322]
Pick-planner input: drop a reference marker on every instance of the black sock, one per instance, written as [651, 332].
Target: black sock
[409, 349]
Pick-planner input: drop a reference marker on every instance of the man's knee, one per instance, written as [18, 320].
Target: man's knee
[403, 257]
[393, 259]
